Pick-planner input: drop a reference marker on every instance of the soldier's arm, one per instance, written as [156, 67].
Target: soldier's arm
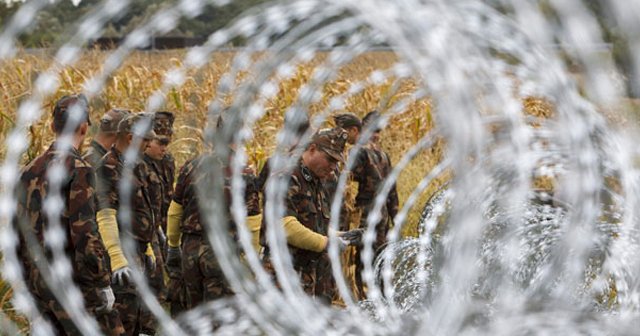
[296, 233]
[84, 235]
[175, 212]
[107, 215]
[173, 224]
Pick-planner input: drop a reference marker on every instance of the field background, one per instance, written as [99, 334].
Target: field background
[143, 72]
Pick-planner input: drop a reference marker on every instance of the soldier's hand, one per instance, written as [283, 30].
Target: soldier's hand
[149, 263]
[121, 276]
[162, 238]
[108, 299]
[354, 237]
[338, 241]
[149, 259]
[174, 261]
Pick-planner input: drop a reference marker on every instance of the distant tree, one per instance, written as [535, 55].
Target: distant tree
[58, 21]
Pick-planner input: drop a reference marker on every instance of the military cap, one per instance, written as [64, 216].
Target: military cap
[346, 120]
[110, 120]
[139, 124]
[64, 105]
[163, 124]
[331, 141]
[372, 117]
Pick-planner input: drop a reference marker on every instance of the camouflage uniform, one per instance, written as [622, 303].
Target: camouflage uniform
[175, 290]
[108, 124]
[94, 154]
[203, 276]
[307, 200]
[157, 192]
[83, 245]
[372, 167]
[142, 227]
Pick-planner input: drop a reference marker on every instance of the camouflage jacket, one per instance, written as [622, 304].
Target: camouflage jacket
[162, 175]
[94, 154]
[83, 245]
[307, 201]
[191, 177]
[372, 167]
[145, 198]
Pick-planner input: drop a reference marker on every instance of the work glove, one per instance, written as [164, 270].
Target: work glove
[340, 242]
[149, 259]
[121, 276]
[174, 261]
[107, 298]
[149, 264]
[353, 237]
[162, 239]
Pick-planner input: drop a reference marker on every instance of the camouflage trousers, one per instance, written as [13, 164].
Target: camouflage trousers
[156, 283]
[381, 238]
[134, 314]
[51, 309]
[177, 295]
[316, 278]
[202, 274]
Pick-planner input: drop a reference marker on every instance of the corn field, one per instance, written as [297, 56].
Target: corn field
[142, 73]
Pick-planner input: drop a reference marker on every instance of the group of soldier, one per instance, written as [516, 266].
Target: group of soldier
[123, 191]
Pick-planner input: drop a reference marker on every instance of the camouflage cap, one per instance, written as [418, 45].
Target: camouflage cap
[372, 117]
[64, 105]
[110, 120]
[163, 124]
[331, 141]
[139, 124]
[346, 120]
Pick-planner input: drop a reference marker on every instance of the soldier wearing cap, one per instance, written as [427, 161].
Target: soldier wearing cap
[189, 248]
[265, 173]
[106, 136]
[352, 125]
[83, 246]
[162, 166]
[140, 223]
[307, 214]
[372, 167]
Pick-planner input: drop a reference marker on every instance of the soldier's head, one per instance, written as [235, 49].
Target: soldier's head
[135, 126]
[325, 151]
[300, 123]
[350, 123]
[372, 120]
[69, 111]
[163, 127]
[108, 128]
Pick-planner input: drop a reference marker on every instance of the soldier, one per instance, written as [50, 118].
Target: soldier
[105, 137]
[352, 125]
[265, 173]
[203, 276]
[83, 246]
[139, 226]
[162, 165]
[372, 168]
[306, 220]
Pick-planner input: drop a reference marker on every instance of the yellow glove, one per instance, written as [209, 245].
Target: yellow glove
[174, 219]
[302, 237]
[253, 224]
[108, 228]
[149, 253]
